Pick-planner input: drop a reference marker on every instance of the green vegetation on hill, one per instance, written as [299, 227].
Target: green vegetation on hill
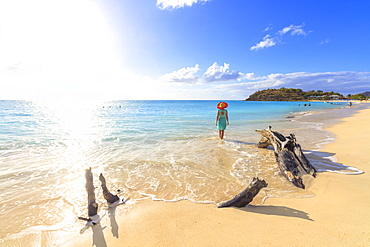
[359, 96]
[292, 94]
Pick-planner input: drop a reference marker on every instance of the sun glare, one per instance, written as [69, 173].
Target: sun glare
[60, 49]
[56, 33]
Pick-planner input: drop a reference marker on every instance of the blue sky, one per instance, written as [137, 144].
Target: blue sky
[181, 49]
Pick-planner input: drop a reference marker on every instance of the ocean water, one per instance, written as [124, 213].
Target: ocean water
[167, 150]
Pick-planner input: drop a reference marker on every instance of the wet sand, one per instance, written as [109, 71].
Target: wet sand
[338, 215]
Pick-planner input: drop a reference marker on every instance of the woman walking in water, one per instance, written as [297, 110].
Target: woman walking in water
[222, 119]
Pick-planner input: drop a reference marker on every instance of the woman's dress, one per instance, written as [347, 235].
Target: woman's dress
[221, 123]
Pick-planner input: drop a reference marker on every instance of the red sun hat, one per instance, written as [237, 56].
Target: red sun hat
[222, 105]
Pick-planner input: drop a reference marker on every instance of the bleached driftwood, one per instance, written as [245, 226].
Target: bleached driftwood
[113, 200]
[292, 163]
[92, 206]
[106, 193]
[247, 195]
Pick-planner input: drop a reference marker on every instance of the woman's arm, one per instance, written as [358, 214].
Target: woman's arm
[218, 116]
[227, 117]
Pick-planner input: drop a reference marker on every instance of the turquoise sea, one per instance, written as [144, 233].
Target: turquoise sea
[167, 150]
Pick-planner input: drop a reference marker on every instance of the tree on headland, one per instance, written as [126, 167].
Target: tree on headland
[358, 96]
[292, 94]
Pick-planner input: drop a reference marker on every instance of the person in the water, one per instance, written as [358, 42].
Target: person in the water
[222, 119]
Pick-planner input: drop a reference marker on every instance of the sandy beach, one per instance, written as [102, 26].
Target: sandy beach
[338, 214]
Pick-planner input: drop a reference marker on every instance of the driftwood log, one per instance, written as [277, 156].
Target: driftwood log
[292, 163]
[91, 203]
[106, 193]
[247, 195]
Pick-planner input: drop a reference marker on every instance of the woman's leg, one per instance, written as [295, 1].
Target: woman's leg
[221, 134]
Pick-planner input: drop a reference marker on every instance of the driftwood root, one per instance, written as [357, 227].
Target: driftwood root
[247, 195]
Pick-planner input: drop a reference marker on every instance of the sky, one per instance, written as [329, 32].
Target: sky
[181, 49]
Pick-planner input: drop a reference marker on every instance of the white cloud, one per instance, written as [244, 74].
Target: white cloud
[215, 73]
[324, 41]
[269, 40]
[272, 80]
[176, 4]
[267, 29]
[330, 81]
[343, 82]
[222, 73]
[184, 75]
[266, 42]
[294, 30]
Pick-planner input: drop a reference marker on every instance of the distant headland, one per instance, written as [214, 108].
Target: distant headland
[294, 94]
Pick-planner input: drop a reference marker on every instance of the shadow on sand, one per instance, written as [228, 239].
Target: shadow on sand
[277, 210]
[113, 222]
[98, 236]
[97, 229]
[326, 162]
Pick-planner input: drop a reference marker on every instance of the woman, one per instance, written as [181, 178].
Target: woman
[222, 119]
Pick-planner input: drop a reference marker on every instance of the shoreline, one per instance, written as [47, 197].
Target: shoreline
[331, 117]
[336, 216]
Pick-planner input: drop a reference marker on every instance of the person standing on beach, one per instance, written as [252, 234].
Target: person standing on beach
[222, 119]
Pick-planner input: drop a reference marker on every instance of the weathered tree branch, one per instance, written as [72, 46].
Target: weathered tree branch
[292, 163]
[106, 193]
[92, 205]
[247, 195]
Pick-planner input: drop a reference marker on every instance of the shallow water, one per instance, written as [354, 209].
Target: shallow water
[168, 150]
